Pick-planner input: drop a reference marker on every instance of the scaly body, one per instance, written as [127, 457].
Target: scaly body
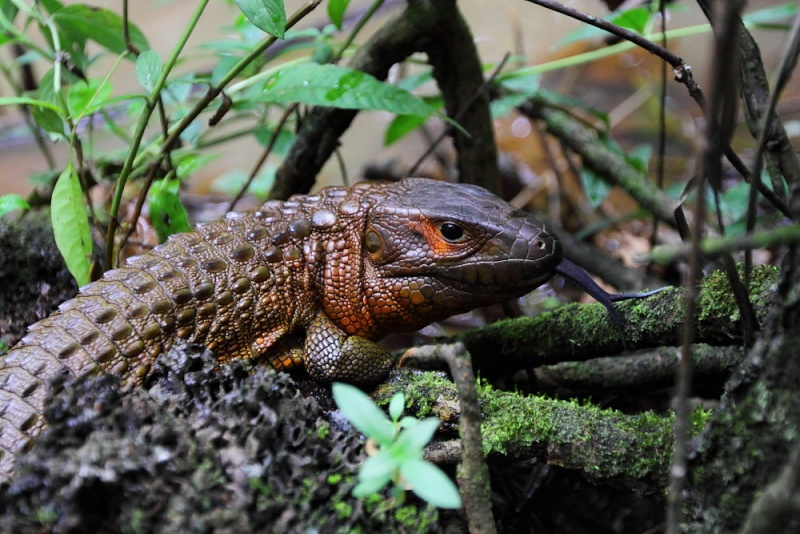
[315, 280]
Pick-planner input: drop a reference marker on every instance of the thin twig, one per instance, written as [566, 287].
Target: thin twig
[662, 117]
[711, 169]
[126, 30]
[715, 246]
[786, 66]
[447, 131]
[682, 71]
[151, 176]
[473, 474]
[264, 155]
[362, 21]
[676, 61]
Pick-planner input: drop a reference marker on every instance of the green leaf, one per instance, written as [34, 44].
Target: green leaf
[83, 96]
[322, 53]
[12, 202]
[596, 189]
[415, 81]
[52, 6]
[71, 224]
[365, 415]
[417, 436]
[376, 479]
[8, 10]
[377, 466]
[396, 406]
[431, 484]
[100, 25]
[635, 19]
[506, 104]
[733, 203]
[148, 69]
[267, 15]
[639, 157]
[96, 104]
[772, 14]
[336, 9]
[282, 144]
[520, 82]
[340, 87]
[189, 164]
[47, 91]
[408, 422]
[401, 126]
[49, 120]
[166, 210]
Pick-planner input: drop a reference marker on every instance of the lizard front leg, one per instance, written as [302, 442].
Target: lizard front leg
[332, 355]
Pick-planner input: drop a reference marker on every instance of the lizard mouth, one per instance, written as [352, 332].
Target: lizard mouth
[498, 291]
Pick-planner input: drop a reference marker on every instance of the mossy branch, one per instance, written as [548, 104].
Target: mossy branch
[716, 246]
[473, 473]
[643, 372]
[583, 332]
[605, 446]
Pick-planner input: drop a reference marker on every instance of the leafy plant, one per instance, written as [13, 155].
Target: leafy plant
[166, 129]
[400, 443]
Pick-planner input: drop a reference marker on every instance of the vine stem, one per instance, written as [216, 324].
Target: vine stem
[215, 90]
[138, 135]
[199, 107]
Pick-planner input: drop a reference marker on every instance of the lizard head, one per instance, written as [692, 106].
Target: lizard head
[433, 249]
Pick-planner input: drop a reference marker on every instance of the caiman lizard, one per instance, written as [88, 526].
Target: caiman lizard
[315, 280]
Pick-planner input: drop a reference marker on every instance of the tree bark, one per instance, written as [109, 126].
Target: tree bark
[753, 433]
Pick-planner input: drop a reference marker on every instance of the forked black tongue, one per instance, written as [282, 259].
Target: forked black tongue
[580, 278]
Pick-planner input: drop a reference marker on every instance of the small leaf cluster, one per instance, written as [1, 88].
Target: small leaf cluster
[400, 442]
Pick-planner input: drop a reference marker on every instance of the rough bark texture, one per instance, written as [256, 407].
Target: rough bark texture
[458, 72]
[754, 431]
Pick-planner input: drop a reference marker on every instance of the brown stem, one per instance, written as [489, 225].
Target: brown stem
[473, 474]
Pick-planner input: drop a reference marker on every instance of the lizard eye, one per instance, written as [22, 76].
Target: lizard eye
[452, 232]
[373, 242]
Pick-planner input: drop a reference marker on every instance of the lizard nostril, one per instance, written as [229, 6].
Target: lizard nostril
[541, 245]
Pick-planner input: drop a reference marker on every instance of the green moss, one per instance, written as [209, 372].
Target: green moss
[323, 430]
[342, 509]
[137, 523]
[649, 315]
[603, 441]
[46, 515]
[715, 298]
[416, 519]
[699, 418]
[424, 393]
[258, 485]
